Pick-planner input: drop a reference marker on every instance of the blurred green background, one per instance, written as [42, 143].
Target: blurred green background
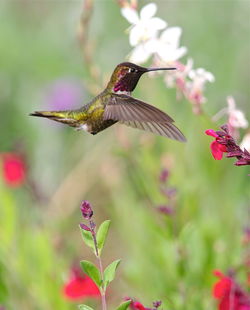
[168, 258]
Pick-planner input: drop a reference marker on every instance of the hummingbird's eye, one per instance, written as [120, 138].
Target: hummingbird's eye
[131, 70]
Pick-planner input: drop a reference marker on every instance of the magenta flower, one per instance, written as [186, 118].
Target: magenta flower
[217, 149]
[225, 143]
[86, 210]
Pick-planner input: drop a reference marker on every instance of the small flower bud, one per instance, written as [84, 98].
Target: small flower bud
[84, 227]
[86, 210]
[156, 304]
[167, 210]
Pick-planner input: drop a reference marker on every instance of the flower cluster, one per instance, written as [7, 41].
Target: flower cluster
[164, 49]
[229, 294]
[225, 143]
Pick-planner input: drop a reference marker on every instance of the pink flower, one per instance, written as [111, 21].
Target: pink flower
[217, 149]
[136, 305]
[80, 287]
[14, 169]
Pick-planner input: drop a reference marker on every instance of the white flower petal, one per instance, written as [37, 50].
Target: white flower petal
[140, 54]
[210, 77]
[168, 54]
[201, 75]
[151, 45]
[231, 103]
[171, 36]
[148, 11]
[189, 65]
[180, 52]
[245, 144]
[201, 72]
[156, 23]
[192, 74]
[131, 15]
[136, 35]
[237, 119]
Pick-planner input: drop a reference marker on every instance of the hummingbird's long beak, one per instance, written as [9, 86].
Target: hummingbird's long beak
[156, 69]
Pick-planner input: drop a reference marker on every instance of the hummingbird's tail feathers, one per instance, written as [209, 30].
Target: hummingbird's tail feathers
[58, 116]
[168, 130]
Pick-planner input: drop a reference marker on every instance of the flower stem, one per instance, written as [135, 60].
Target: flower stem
[98, 256]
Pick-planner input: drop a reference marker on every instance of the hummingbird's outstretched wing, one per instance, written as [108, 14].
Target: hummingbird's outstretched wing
[138, 114]
[126, 108]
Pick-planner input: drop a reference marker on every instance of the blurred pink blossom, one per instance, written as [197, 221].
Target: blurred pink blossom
[236, 118]
[195, 87]
[64, 94]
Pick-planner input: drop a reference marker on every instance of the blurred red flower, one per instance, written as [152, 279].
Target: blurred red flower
[137, 305]
[80, 287]
[230, 295]
[14, 169]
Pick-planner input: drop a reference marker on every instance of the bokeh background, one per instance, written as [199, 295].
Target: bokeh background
[164, 257]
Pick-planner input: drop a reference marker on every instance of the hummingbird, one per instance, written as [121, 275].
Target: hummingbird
[116, 105]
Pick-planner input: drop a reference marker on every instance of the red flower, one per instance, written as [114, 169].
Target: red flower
[14, 170]
[230, 294]
[135, 305]
[138, 306]
[79, 287]
[217, 149]
[224, 143]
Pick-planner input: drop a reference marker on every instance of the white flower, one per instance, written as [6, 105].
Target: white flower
[200, 76]
[195, 88]
[144, 27]
[167, 46]
[236, 118]
[142, 52]
[245, 144]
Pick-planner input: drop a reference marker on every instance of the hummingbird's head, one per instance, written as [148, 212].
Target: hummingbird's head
[126, 76]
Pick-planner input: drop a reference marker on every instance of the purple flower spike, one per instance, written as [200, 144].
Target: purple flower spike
[86, 210]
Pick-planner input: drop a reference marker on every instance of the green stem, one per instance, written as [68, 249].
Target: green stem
[98, 256]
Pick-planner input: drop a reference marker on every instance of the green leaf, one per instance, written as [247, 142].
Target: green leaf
[91, 270]
[88, 239]
[124, 305]
[84, 307]
[102, 234]
[109, 272]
